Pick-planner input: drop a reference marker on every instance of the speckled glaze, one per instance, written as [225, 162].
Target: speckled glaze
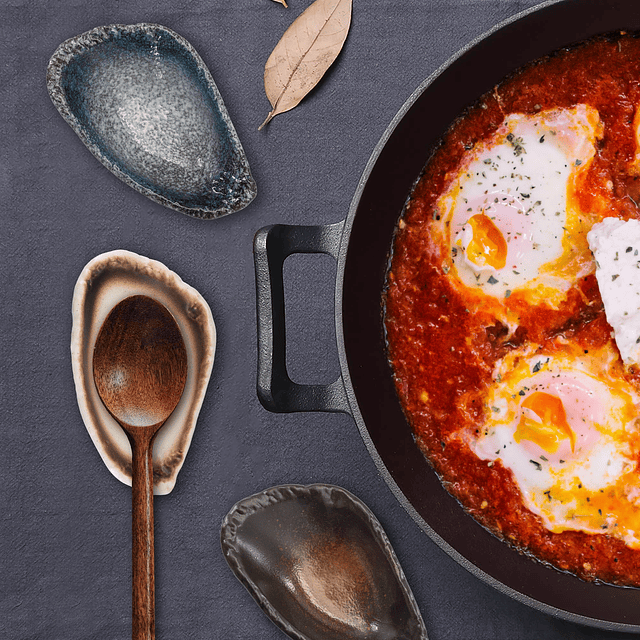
[318, 562]
[104, 282]
[143, 101]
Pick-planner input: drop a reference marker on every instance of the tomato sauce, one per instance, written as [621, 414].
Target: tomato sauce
[442, 352]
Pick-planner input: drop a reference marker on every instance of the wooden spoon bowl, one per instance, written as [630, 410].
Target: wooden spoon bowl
[140, 371]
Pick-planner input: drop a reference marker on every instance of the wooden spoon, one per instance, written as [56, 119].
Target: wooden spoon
[140, 370]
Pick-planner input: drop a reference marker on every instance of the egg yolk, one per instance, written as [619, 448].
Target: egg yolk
[488, 246]
[552, 426]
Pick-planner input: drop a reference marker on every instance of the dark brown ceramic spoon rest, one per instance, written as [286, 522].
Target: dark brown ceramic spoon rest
[320, 565]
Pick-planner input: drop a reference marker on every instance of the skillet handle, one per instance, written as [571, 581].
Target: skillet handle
[276, 391]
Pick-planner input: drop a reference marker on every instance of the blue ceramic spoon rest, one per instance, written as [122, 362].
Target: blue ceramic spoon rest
[144, 103]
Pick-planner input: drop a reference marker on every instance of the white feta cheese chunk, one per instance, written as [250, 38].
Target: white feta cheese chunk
[615, 244]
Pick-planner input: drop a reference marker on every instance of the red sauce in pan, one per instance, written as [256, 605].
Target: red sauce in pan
[443, 355]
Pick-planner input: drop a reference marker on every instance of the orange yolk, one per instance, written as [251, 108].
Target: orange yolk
[488, 246]
[552, 427]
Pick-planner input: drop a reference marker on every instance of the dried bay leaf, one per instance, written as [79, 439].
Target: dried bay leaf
[305, 52]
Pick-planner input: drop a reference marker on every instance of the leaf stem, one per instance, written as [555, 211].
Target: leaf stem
[268, 119]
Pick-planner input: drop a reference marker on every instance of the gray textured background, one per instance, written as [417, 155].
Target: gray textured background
[65, 521]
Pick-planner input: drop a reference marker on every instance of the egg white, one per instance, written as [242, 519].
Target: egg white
[591, 485]
[522, 178]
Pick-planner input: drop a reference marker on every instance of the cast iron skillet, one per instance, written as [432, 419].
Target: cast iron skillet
[361, 244]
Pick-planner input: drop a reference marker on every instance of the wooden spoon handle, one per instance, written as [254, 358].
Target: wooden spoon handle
[143, 611]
